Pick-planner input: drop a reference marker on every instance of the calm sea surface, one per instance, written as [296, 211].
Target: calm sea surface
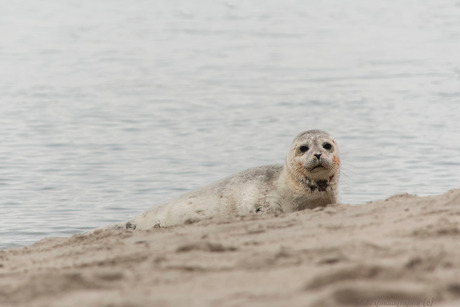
[110, 107]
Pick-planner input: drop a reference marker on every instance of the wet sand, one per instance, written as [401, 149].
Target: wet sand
[405, 250]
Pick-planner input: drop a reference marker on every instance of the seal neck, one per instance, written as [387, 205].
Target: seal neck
[321, 185]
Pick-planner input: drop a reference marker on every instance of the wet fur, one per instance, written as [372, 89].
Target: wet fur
[274, 188]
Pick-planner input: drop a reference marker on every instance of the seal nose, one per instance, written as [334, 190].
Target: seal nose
[318, 155]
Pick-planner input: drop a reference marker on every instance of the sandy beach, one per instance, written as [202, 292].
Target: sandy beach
[404, 250]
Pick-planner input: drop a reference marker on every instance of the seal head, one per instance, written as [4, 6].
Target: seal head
[313, 165]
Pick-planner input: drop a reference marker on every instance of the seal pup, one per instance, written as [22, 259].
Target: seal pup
[309, 178]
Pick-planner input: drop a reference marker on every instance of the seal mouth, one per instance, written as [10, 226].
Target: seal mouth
[318, 167]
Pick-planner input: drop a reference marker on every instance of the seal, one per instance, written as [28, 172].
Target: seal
[309, 178]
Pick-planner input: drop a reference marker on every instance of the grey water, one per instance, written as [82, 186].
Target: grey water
[110, 107]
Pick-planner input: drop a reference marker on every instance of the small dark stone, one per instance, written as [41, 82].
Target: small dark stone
[130, 226]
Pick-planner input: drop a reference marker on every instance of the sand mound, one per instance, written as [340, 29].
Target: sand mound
[403, 250]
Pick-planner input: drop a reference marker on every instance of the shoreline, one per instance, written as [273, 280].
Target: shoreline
[405, 249]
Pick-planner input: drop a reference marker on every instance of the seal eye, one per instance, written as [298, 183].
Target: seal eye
[303, 148]
[327, 146]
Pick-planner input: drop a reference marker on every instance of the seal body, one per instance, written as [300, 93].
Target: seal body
[309, 178]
